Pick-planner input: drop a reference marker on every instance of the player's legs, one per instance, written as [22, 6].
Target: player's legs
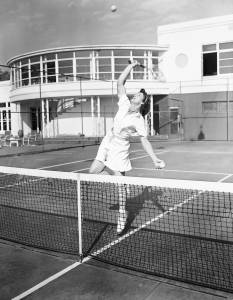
[122, 214]
[98, 167]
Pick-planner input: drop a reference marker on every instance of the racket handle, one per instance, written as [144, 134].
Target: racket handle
[141, 65]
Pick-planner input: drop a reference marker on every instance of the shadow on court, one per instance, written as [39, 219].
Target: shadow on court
[134, 205]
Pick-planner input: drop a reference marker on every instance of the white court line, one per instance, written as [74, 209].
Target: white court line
[226, 177]
[74, 162]
[64, 164]
[134, 158]
[75, 171]
[201, 152]
[186, 171]
[87, 160]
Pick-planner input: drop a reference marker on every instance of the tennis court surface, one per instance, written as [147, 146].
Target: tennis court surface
[177, 230]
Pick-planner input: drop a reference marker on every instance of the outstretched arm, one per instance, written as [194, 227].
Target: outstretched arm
[159, 164]
[122, 79]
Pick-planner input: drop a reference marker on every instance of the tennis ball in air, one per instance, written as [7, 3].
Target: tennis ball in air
[113, 8]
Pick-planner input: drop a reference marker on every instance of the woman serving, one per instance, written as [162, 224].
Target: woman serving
[129, 121]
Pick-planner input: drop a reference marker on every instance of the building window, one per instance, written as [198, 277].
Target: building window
[103, 68]
[35, 73]
[65, 70]
[209, 60]
[217, 106]
[226, 58]
[209, 107]
[49, 72]
[217, 59]
[83, 68]
[62, 55]
[25, 75]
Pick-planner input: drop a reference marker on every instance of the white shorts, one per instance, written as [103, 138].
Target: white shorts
[114, 153]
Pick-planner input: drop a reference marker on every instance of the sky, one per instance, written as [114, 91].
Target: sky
[28, 25]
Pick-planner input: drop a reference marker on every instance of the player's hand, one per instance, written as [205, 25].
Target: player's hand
[159, 164]
[134, 63]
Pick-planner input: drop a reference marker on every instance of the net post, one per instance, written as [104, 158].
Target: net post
[79, 204]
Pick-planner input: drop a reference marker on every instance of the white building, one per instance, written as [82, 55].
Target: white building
[72, 90]
[199, 68]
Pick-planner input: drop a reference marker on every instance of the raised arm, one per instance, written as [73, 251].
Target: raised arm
[122, 79]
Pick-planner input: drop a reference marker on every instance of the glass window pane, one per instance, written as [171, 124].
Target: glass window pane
[206, 48]
[119, 68]
[209, 106]
[25, 72]
[226, 70]
[83, 53]
[24, 61]
[122, 52]
[226, 45]
[83, 69]
[223, 55]
[83, 62]
[138, 52]
[104, 52]
[66, 70]
[227, 62]
[155, 53]
[104, 68]
[104, 61]
[35, 70]
[222, 106]
[210, 64]
[49, 56]
[65, 55]
[105, 76]
[122, 61]
[35, 59]
[65, 63]
[25, 82]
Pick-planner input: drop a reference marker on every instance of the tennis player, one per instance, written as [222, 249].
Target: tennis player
[113, 154]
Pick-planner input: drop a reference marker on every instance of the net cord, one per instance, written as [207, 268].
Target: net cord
[143, 181]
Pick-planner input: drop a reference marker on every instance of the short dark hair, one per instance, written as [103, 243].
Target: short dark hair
[145, 107]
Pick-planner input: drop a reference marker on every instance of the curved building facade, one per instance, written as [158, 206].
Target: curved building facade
[72, 90]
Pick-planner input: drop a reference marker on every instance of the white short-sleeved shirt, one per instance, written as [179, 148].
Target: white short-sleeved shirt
[114, 149]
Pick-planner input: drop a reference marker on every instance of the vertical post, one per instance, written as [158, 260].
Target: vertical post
[112, 102]
[42, 117]
[47, 117]
[92, 115]
[227, 108]
[81, 96]
[37, 120]
[98, 114]
[151, 115]
[79, 206]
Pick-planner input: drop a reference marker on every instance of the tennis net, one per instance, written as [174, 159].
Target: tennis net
[176, 229]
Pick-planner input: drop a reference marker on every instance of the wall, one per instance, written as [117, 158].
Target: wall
[213, 124]
[183, 60]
